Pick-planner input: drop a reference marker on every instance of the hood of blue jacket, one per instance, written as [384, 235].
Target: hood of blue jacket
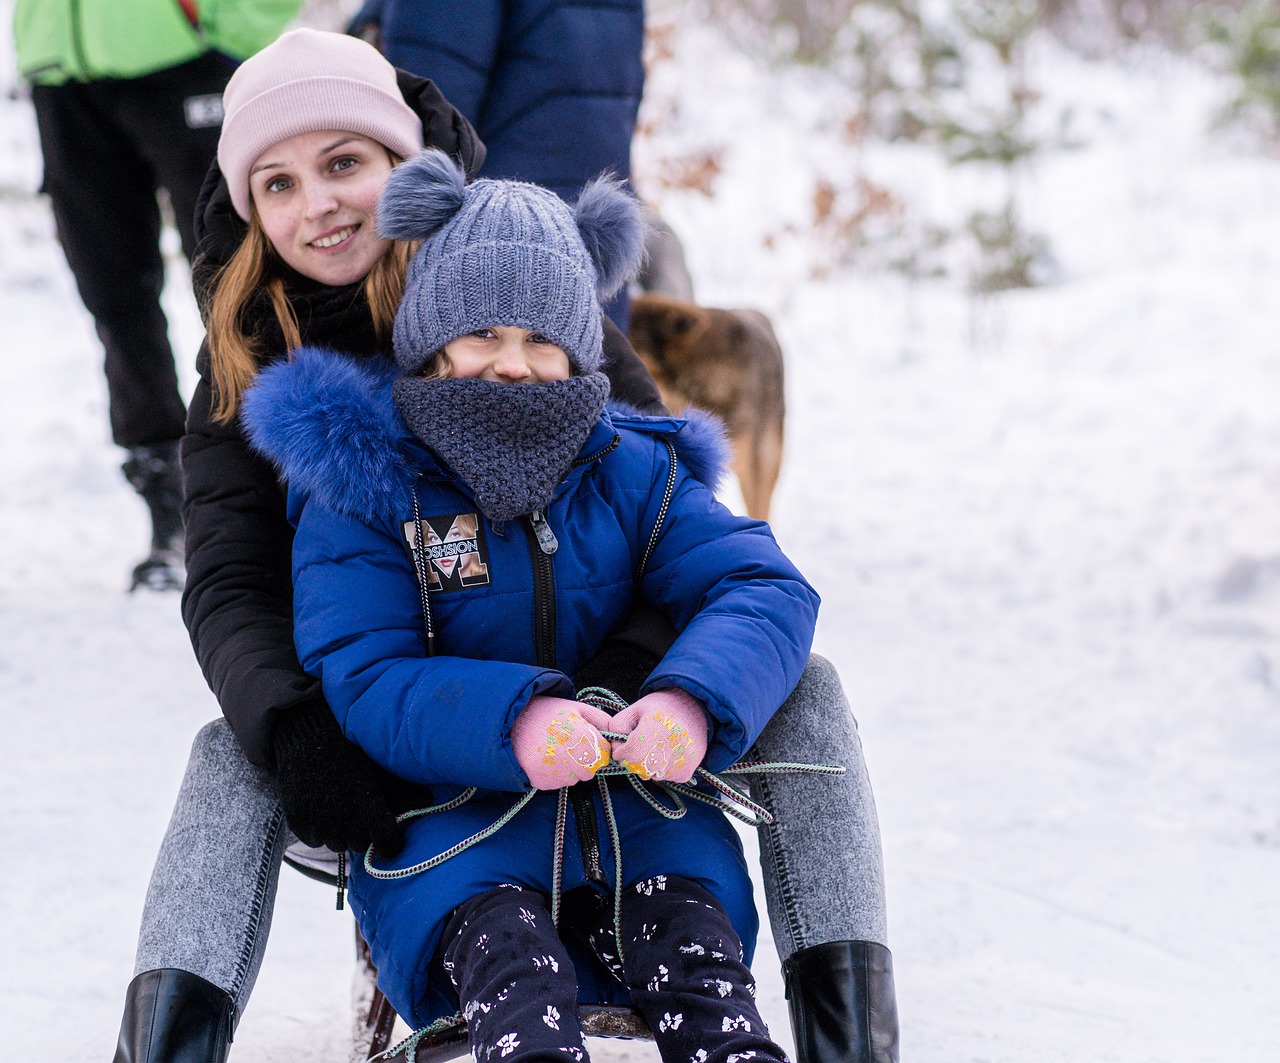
[329, 425]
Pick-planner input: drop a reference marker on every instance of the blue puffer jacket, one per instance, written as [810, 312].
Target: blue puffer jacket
[513, 621]
[551, 86]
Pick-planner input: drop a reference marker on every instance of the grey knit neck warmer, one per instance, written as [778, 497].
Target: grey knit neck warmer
[512, 444]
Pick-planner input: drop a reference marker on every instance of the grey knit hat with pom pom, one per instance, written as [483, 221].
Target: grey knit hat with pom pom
[506, 253]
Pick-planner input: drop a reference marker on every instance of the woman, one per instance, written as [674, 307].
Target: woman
[291, 256]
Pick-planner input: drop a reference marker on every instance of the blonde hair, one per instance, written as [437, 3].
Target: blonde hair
[438, 367]
[235, 355]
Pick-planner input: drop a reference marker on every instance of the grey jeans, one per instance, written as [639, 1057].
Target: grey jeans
[208, 907]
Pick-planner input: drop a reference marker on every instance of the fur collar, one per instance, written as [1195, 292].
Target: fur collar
[328, 424]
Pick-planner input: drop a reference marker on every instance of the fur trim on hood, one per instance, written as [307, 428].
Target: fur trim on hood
[328, 424]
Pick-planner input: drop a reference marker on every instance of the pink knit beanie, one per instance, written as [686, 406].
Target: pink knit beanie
[305, 81]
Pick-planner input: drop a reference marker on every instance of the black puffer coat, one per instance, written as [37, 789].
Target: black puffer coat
[238, 602]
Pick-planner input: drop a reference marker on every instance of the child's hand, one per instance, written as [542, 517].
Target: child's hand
[666, 736]
[558, 742]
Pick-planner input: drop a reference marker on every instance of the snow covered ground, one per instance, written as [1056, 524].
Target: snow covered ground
[1046, 528]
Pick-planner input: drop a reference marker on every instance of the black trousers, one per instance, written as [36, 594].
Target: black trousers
[108, 147]
[681, 962]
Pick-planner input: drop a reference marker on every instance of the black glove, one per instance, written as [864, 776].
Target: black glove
[333, 793]
[627, 657]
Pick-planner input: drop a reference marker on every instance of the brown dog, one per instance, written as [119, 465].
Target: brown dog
[727, 362]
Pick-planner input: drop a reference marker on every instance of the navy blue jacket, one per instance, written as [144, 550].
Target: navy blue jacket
[551, 86]
[744, 614]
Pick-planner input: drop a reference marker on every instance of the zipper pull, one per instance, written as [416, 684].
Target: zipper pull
[547, 541]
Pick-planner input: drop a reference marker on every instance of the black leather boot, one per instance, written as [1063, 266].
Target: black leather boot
[155, 473]
[173, 1016]
[842, 1002]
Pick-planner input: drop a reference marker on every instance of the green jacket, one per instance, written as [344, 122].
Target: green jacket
[86, 40]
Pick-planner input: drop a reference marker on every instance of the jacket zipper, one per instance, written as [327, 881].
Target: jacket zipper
[542, 545]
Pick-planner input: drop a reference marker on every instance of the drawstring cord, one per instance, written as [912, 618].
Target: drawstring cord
[423, 573]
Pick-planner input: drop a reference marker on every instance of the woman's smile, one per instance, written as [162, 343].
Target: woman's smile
[334, 238]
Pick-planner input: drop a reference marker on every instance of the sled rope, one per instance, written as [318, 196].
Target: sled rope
[410, 1044]
[729, 800]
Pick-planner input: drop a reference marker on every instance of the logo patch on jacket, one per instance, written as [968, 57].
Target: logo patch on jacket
[456, 551]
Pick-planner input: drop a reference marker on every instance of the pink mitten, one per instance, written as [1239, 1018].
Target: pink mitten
[558, 742]
[666, 736]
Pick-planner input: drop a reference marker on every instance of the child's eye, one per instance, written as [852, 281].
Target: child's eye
[538, 337]
[483, 333]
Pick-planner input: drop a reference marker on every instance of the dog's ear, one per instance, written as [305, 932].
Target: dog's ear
[679, 322]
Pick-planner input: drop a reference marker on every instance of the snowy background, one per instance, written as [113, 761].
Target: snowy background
[1046, 528]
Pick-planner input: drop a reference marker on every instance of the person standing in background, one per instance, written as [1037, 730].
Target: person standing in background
[128, 101]
[552, 87]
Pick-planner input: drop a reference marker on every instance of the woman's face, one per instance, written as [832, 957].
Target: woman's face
[315, 195]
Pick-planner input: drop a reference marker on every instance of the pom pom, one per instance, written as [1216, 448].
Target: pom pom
[612, 227]
[420, 195]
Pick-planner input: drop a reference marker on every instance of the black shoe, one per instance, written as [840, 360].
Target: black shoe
[842, 1002]
[173, 1016]
[154, 472]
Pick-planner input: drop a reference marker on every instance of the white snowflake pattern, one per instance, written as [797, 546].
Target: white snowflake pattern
[671, 1022]
[656, 981]
[546, 961]
[575, 1054]
[507, 1044]
[740, 1023]
[552, 1017]
[658, 882]
[647, 930]
[474, 1006]
[482, 943]
[737, 1057]
[527, 916]
[699, 1056]
[693, 950]
[722, 987]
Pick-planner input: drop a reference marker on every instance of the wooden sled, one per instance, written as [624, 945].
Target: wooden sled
[374, 1019]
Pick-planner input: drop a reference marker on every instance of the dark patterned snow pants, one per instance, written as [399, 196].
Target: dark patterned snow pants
[682, 963]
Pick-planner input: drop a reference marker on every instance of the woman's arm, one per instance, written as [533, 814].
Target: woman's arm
[238, 608]
[629, 380]
[238, 602]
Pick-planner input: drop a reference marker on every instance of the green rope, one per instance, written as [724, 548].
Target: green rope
[727, 798]
[454, 850]
[410, 1044]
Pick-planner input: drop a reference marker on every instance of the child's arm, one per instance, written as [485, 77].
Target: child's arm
[745, 614]
[359, 627]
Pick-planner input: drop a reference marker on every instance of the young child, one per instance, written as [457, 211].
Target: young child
[463, 545]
